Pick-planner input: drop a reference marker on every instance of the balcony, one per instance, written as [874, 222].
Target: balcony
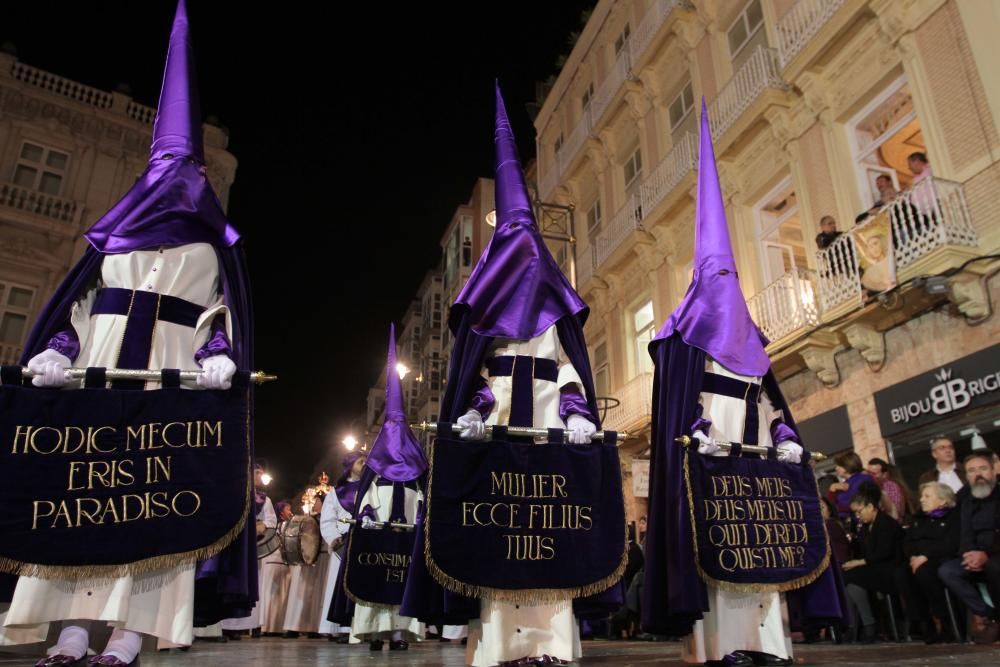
[786, 306]
[930, 217]
[678, 163]
[63, 87]
[38, 203]
[628, 219]
[605, 94]
[9, 354]
[633, 413]
[802, 23]
[758, 74]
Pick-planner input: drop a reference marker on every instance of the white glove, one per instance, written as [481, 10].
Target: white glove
[218, 373]
[581, 429]
[706, 445]
[789, 452]
[471, 426]
[367, 523]
[49, 368]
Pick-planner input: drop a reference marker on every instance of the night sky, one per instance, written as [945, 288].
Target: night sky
[359, 128]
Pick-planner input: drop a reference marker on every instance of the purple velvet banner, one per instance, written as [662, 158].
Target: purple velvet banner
[107, 480]
[757, 523]
[516, 517]
[376, 563]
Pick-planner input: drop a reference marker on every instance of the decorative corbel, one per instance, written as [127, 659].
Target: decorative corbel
[869, 342]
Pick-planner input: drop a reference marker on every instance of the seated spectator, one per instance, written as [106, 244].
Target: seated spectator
[850, 470]
[979, 547]
[881, 542]
[900, 504]
[840, 544]
[930, 541]
[828, 232]
[945, 470]
[887, 194]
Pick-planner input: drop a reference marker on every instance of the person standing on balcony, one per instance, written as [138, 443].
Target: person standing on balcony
[887, 194]
[828, 232]
[713, 381]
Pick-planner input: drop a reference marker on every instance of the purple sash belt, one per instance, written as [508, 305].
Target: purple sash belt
[523, 370]
[143, 310]
[149, 305]
[745, 391]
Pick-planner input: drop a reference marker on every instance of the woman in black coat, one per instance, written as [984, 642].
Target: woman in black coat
[932, 539]
[881, 540]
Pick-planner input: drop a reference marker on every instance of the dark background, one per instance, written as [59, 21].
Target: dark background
[359, 128]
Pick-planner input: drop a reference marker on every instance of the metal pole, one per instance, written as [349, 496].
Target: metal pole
[753, 449]
[522, 431]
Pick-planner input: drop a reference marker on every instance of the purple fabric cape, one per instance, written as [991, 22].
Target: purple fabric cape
[425, 598]
[674, 596]
[713, 314]
[226, 585]
[516, 289]
[396, 454]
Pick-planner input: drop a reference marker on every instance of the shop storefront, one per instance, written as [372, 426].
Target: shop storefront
[960, 400]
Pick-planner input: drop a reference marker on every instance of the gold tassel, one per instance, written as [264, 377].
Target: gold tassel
[783, 587]
[146, 565]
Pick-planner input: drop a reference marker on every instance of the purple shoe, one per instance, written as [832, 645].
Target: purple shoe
[60, 660]
[111, 661]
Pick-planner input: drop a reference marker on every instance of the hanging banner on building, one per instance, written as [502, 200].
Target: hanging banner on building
[873, 240]
[105, 482]
[525, 521]
[964, 384]
[640, 478]
[757, 523]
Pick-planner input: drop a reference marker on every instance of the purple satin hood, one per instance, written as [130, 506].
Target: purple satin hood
[397, 454]
[172, 202]
[713, 315]
[516, 289]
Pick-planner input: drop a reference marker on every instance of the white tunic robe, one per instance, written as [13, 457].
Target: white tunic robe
[305, 591]
[159, 603]
[379, 622]
[507, 631]
[275, 577]
[270, 520]
[750, 621]
[331, 527]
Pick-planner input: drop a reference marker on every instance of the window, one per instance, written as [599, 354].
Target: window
[15, 307]
[745, 27]
[601, 372]
[633, 168]
[466, 241]
[622, 40]
[588, 95]
[559, 142]
[594, 219]
[780, 228]
[451, 252]
[645, 328]
[40, 168]
[681, 106]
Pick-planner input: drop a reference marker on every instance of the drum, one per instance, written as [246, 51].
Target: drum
[268, 543]
[300, 540]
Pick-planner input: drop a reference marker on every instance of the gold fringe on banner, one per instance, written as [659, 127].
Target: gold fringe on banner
[147, 565]
[783, 587]
[525, 596]
[378, 606]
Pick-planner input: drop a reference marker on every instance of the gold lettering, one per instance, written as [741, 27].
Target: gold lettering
[215, 430]
[137, 433]
[36, 515]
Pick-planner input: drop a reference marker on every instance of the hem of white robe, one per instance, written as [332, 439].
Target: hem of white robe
[480, 653]
[368, 622]
[696, 649]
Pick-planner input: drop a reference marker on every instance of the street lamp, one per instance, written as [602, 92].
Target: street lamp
[402, 369]
[350, 442]
[265, 479]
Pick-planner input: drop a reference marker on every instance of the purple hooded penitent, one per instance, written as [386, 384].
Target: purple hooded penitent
[172, 202]
[713, 315]
[516, 290]
[396, 455]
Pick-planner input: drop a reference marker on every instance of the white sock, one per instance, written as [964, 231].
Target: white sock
[397, 635]
[124, 645]
[73, 641]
